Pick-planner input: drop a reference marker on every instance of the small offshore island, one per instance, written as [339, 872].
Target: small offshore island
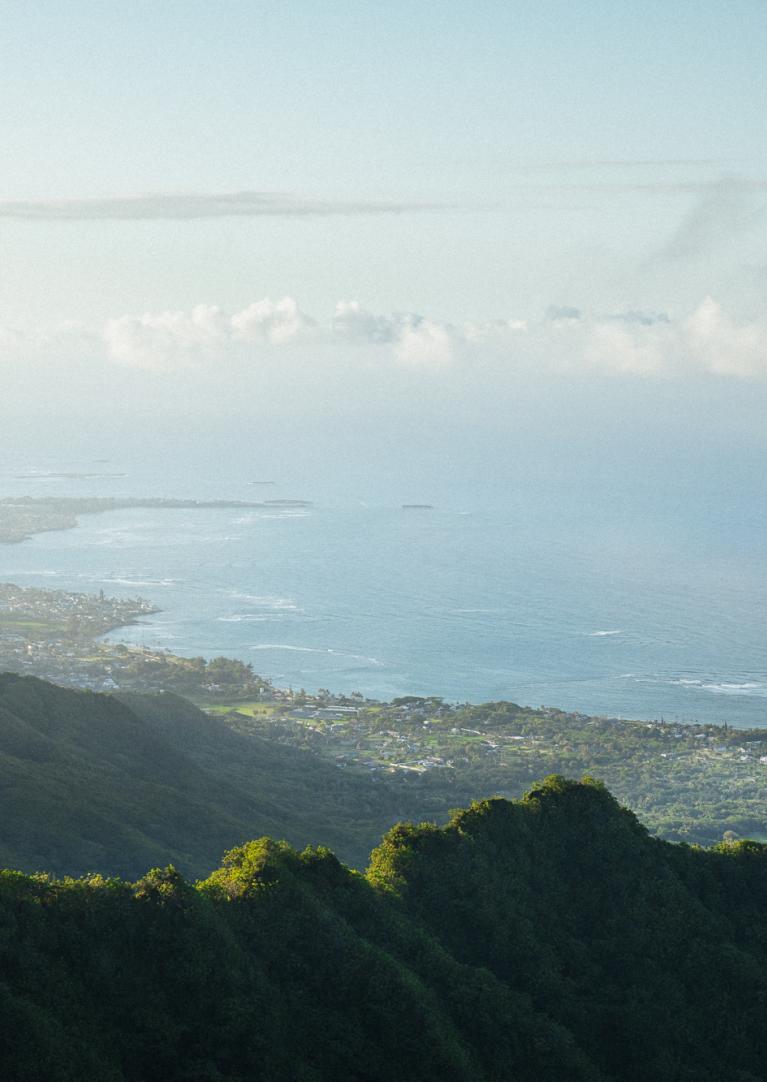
[21, 517]
[287, 503]
[686, 782]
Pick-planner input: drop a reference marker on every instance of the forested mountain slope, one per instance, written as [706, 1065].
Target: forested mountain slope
[92, 783]
[545, 938]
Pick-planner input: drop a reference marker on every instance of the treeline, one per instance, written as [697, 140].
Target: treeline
[545, 938]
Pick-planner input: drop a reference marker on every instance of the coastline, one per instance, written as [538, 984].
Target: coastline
[688, 782]
[23, 517]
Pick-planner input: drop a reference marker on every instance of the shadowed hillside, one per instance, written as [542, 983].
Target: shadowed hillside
[90, 782]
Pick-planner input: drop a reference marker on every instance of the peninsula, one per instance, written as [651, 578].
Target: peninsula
[21, 517]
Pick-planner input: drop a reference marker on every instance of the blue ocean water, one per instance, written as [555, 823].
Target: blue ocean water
[608, 603]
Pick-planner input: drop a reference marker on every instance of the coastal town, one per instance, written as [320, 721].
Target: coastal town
[686, 782]
[56, 635]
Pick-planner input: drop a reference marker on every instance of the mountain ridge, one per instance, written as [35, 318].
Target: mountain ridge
[549, 936]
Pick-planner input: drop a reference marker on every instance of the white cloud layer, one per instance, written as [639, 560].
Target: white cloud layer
[722, 345]
[707, 340]
[169, 340]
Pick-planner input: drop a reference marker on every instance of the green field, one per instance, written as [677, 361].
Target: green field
[21, 624]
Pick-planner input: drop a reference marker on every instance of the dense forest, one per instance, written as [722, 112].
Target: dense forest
[549, 937]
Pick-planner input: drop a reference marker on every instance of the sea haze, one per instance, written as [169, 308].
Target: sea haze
[542, 596]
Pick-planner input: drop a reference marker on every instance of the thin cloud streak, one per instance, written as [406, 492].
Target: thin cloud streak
[615, 163]
[190, 207]
[651, 187]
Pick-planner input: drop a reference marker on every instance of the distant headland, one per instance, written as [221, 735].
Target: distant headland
[21, 517]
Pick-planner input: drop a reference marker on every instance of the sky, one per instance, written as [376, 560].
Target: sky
[468, 217]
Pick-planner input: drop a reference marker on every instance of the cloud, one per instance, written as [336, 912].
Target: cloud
[416, 339]
[565, 165]
[413, 338]
[617, 348]
[195, 206]
[264, 321]
[357, 324]
[566, 341]
[425, 342]
[725, 347]
[168, 340]
[660, 187]
[271, 336]
[707, 341]
[493, 331]
[726, 211]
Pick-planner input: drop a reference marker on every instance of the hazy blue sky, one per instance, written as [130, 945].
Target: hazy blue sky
[473, 205]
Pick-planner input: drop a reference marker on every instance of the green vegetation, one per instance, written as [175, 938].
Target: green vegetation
[113, 783]
[546, 938]
[90, 782]
[414, 756]
[687, 782]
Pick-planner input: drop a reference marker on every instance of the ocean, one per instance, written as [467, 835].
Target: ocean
[605, 602]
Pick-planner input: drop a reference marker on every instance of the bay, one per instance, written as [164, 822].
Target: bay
[544, 597]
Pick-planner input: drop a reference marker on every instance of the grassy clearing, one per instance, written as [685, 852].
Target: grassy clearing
[250, 709]
[21, 624]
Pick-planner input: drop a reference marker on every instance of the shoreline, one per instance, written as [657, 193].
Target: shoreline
[133, 611]
[24, 517]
